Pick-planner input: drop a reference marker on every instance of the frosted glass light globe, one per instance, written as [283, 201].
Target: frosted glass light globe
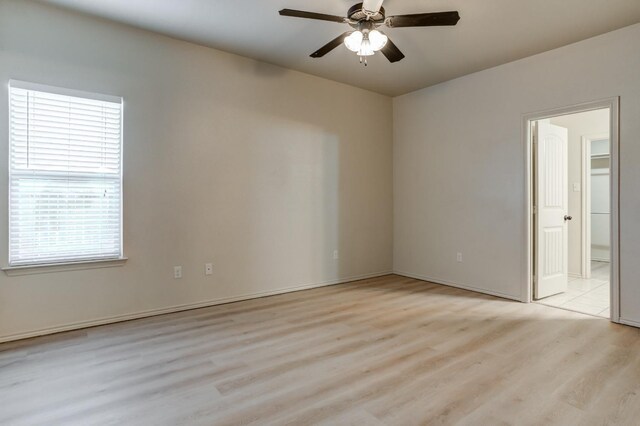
[377, 40]
[365, 48]
[354, 41]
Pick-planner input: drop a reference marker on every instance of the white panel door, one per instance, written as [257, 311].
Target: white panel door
[552, 200]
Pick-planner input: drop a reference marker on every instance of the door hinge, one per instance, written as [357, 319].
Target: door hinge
[535, 210]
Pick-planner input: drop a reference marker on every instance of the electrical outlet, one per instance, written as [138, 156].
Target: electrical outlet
[459, 257]
[335, 255]
[208, 268]
[177, 272]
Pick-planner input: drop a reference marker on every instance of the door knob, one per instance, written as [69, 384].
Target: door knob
[567, 218]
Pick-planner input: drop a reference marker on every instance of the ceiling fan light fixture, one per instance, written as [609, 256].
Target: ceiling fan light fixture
[366, 43]
[354, 41]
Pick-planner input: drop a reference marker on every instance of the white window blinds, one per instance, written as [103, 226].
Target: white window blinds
[65, 176]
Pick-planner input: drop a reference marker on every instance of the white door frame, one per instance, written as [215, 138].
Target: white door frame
[614, 142]
[586, 201]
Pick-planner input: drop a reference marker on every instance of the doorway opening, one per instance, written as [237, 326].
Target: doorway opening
[573, 205]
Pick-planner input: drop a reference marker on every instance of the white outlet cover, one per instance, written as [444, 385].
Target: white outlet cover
[177, 272]
[208, 268]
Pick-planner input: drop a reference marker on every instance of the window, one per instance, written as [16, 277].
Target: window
[65, 176]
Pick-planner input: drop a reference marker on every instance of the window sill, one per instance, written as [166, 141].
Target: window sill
[14, 271]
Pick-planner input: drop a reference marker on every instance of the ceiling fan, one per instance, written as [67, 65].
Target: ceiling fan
[365, 18]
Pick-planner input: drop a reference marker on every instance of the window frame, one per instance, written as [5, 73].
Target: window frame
[67, 264]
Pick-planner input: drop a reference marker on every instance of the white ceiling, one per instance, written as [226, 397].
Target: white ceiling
[490, 33]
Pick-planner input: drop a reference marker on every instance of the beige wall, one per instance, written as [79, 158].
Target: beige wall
[261, 170]
[459, 175]
[592, 123]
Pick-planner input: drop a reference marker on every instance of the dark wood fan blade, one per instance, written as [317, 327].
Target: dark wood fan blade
[423, 20]
[330, 46]
[391, 52]
[312, 15]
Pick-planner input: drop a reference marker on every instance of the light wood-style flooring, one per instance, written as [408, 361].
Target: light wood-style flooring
[389, 350]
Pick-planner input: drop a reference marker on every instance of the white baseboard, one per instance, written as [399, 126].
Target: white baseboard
[457, 285]
[183, 307]
[629, 322]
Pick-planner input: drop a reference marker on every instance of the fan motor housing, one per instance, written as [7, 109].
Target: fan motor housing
[357, 13]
